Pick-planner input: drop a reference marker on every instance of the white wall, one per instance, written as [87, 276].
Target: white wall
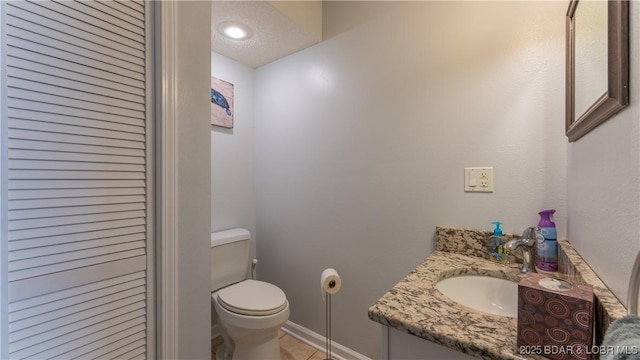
[232, 159]
[361, 143]
[603, 180]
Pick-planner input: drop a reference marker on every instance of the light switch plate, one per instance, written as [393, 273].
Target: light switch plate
[478, 179]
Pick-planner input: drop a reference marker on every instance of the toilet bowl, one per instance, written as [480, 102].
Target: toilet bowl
[249, 312]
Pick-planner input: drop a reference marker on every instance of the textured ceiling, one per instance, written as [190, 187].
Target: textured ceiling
[275, 35]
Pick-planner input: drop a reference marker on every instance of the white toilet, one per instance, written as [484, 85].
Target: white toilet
[250, 312]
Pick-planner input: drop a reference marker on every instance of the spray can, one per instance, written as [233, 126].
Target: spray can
[547, 247]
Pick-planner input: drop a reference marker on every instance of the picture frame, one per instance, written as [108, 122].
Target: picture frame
[221, 103]
[616, 96]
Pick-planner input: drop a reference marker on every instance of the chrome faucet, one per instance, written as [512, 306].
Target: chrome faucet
[529, 240]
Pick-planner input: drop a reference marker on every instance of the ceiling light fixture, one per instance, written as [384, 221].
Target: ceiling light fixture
[234, 30]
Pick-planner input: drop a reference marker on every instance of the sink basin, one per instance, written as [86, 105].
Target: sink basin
[483, 293]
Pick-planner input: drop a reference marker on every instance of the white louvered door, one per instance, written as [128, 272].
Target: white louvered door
[77, 141]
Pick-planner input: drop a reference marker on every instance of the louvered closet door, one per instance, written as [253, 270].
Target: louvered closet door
[79, 177]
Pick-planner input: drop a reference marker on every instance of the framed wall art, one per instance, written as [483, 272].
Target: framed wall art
[221, 103]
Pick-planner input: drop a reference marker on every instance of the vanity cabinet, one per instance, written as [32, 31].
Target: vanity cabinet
[400, 345]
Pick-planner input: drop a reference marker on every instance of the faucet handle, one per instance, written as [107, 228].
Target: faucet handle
[530, 238]
[530, 232]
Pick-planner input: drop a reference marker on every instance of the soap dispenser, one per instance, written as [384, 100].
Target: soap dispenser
[495, 245]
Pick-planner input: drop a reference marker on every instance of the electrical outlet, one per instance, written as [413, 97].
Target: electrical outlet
[478, 179]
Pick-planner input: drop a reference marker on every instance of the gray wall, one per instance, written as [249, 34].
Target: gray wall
[361, 141]
[193, 179]
[603, 180]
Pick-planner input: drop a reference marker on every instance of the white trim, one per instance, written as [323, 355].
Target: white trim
[340, 352]
[166, 186]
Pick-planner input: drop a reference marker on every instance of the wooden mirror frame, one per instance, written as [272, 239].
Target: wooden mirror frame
[617, 95]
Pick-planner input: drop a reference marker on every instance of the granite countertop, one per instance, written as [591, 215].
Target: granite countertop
[415, 306]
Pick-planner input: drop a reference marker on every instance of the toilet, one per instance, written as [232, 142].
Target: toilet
[249, 312]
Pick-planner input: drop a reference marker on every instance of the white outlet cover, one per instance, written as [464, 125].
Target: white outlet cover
[478, 179]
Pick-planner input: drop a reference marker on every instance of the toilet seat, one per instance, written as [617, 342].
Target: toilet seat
[253, 297]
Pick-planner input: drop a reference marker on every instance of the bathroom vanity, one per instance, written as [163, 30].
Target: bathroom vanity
[421, 322]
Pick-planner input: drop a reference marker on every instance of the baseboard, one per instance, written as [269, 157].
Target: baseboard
[339, 352]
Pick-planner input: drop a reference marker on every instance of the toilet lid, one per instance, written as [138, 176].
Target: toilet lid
[253, 297]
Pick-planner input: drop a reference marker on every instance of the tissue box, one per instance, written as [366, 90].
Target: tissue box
[554, 318]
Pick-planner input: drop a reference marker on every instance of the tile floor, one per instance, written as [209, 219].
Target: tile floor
[290, 348]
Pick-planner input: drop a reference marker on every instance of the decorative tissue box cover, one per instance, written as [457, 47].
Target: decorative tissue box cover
[554, 321]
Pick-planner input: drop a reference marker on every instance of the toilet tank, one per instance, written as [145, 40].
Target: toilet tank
[229, 257]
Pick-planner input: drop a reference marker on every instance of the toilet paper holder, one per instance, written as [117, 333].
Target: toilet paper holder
[330, 283]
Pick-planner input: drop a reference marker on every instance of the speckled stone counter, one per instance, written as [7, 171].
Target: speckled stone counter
[416, 307]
